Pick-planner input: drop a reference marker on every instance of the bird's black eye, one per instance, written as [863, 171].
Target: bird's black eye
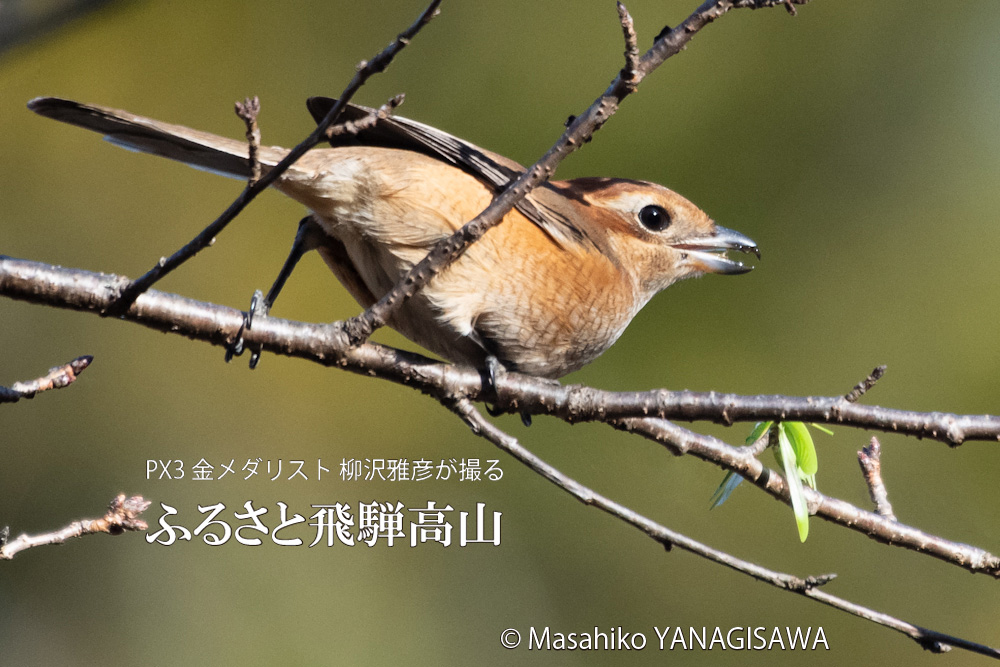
[654, 218]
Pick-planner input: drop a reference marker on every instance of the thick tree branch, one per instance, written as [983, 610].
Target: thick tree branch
[879, 528]
[808, 587]
[583, 404]
[327, 344]
[87, 291]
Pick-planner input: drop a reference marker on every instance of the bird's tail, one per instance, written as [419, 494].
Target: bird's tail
[199, 149]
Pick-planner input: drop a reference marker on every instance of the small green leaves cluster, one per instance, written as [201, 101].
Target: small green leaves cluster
[795, 451]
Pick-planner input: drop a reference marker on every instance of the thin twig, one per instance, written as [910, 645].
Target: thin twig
[366, 69]
[808, 587]
[629, 72]
[368, 121]
[870, 460]
[862, 387]
[122, 515]
[58, 377]
[248, 110]
[577, 133]
[764, 4]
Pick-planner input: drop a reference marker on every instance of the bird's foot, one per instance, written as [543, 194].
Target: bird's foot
[258, 308]
[492, 371]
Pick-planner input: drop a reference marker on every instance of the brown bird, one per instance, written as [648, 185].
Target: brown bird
[544, 292]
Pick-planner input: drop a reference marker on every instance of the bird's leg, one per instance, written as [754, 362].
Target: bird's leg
[307, 238]
[491, 371]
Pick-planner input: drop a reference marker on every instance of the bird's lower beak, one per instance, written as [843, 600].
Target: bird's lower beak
[709, 253]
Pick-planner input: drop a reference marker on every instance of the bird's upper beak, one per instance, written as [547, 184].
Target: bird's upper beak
[710, 252]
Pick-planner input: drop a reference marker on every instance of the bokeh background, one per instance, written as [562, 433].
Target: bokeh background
[857, 144]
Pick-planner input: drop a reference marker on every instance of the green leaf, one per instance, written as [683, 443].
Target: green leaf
[729, 484]
[810, 480]
[758, 430]
[795, 490]
[821, 428]
[732, 480]
[802, 444]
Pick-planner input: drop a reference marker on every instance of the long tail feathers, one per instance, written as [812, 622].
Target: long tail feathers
[199, 149]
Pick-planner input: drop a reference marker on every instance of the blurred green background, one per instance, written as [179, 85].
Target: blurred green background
[857, 144]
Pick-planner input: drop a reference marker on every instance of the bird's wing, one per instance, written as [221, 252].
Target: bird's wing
[545, 207]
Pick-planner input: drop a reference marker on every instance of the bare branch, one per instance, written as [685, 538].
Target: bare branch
[248, 110]
[757, 447]
[629, 73]
[58, 377]
[930, 640]
[808, 587]
[578, 132]
[368, 121]
[216, 324]
[122, 515]
[763, 4]
[327, 344]
[870, 459]
[129, 292]
[575, 404]
[878, 528]
[83, 290]
[861, 388]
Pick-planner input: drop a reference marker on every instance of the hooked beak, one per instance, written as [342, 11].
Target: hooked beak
[710, 252]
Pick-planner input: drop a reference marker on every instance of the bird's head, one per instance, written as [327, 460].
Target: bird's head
[655, 234]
